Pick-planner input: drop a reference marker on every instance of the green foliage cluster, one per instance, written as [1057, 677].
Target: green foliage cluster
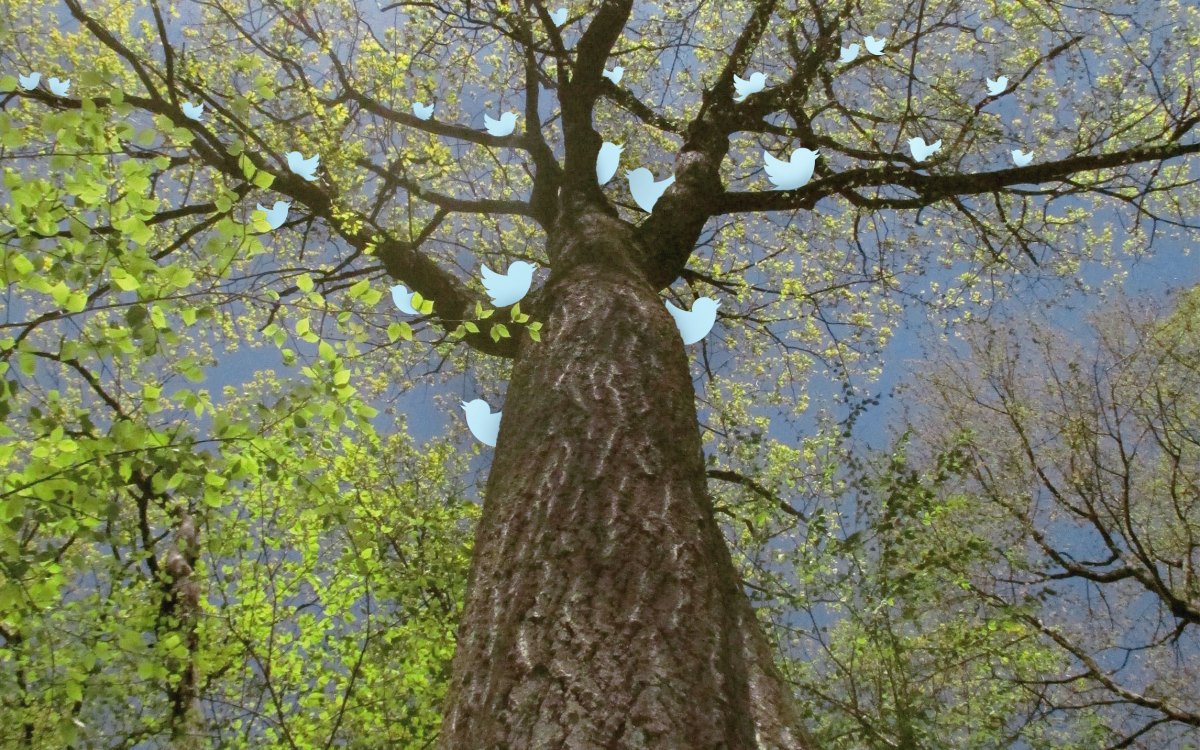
[332, 558]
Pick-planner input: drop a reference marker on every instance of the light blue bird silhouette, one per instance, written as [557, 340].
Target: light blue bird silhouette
[997, 87]
[793, 174]
[1020, 158]
[29, 82]
[482, 423]
[559, 17]
[403, 299]
[502, 127]
[511, 288]
[614, 75]
[645, 190]
[607, 161]
[422, 111]
[695, 324]
[59, 87]
[922, 151]
[277, 213]
[874, 46]
[849, 54]
[747, 86]
[192, 111]
[306, 168]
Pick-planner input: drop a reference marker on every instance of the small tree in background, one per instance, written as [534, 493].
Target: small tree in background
[1084, 465]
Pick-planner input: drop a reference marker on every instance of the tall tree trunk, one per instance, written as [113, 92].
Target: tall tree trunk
[604, 610]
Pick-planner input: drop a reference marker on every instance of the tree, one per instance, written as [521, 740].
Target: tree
[896, 651]
[604, 607]
[1083, 466]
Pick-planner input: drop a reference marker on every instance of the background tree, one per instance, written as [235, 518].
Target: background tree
[1083, 462]
[604, 607]
[894, 649]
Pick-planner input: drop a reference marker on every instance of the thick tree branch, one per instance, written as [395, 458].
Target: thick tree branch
[578, 99]
[432, 126]
[932, 188]
[756, 488]
[720, 96]
[401, 259]
[679, 216]
[457, 205]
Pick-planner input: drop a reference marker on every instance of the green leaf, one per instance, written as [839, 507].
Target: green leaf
[76, 302]
[400, 330]
[22, 265]
[247, 167]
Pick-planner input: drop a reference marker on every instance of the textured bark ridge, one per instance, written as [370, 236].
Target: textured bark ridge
[604, 610]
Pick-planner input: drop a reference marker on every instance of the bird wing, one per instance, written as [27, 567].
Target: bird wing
[489, 123]
[777, 169]
[676, 313]
[740, 84]
[492, 282]
[298, 163]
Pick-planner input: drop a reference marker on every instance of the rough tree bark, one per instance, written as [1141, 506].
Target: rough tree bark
[604, 610]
